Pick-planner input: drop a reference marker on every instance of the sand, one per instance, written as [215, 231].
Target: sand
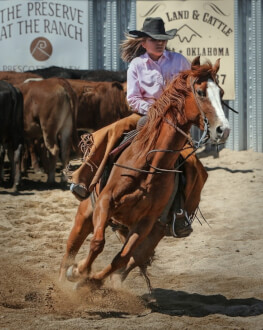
[210, 280]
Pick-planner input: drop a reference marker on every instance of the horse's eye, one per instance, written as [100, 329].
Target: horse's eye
[200, 92]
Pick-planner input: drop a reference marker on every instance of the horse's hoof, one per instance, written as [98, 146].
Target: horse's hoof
[72, 274]
[86, 283]
[82, 284]
[95, 283]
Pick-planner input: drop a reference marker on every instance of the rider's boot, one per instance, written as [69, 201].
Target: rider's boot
[188, 195]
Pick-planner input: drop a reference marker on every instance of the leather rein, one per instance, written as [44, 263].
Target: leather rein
[194, 144]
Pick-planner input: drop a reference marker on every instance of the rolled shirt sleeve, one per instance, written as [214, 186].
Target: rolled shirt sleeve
[134, 93]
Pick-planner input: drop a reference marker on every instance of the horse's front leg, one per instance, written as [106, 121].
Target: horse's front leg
[136, 236]
[100, 219]
[82, 227]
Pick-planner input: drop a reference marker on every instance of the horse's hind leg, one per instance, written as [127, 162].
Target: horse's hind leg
[136, 236]
[143, 254]
[81, 229]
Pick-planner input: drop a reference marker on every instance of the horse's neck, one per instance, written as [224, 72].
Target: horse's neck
[169, 139]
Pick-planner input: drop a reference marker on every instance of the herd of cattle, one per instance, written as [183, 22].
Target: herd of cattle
[41, 112]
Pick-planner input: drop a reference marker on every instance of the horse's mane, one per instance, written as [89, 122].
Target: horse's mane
[171, 102]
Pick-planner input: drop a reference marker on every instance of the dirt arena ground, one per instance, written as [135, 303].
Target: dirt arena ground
[210, 280]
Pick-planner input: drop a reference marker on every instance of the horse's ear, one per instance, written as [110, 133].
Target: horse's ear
[217, 65]
[196, 62]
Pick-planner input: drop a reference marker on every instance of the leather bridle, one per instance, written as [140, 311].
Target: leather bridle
[194, 144]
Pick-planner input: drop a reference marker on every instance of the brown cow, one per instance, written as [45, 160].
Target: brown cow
[50, 109]
[15, 78]
[99, 103]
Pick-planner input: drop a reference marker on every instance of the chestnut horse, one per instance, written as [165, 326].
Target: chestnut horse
[136, 193]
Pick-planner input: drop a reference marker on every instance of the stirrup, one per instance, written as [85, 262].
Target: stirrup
[185, 227]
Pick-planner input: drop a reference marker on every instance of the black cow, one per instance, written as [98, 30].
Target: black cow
[11, 130]
[89, 75]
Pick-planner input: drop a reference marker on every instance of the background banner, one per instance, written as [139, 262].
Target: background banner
[205, 28]
[36, 34]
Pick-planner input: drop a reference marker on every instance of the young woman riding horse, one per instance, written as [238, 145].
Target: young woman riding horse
[151, 68]
[143, 179]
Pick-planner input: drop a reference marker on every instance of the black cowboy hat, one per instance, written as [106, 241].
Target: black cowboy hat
[154, 27]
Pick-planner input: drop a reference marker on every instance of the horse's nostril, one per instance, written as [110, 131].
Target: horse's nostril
[219, 130]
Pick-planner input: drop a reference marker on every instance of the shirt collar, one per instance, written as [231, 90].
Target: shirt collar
[147, 58]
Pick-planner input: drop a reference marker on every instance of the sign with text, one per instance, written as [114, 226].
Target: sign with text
[37, 34]
[204, 28]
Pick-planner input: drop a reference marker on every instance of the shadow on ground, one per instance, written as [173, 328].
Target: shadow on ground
[181, 303]
[227, 169]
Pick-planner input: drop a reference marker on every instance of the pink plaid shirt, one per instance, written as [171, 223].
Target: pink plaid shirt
[146, 78]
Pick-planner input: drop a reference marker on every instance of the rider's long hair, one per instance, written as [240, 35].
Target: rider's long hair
[131, 47]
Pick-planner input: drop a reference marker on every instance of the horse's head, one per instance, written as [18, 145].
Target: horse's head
[205, 100]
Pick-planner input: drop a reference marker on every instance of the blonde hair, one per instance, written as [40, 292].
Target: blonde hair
[131, 47]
